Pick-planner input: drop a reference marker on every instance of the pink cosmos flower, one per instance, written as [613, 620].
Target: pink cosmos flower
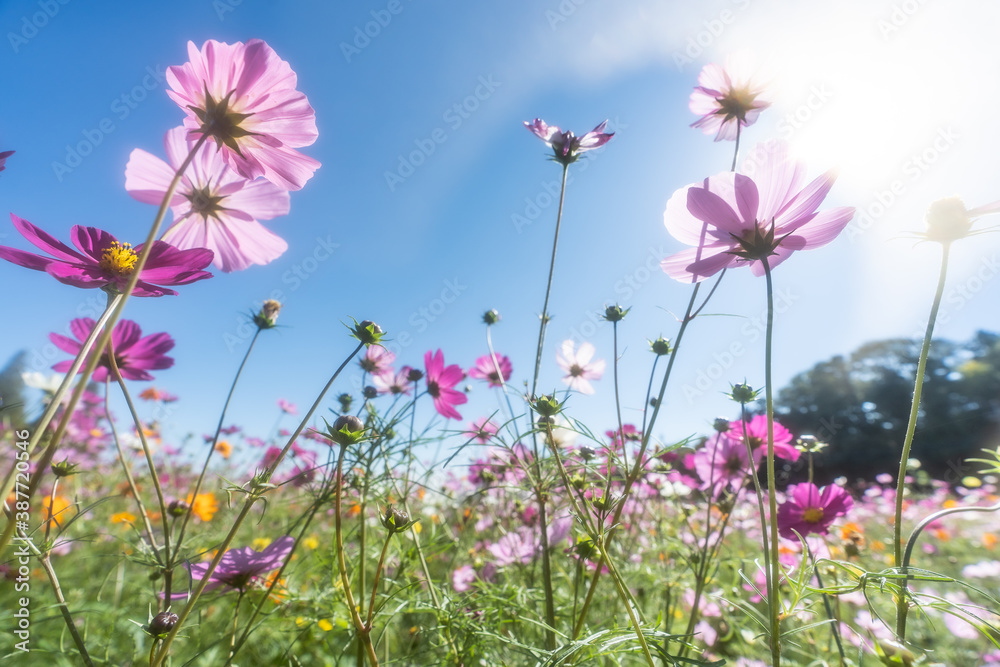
[811, 509]
[727, 98]
[387, 383]
[579, 367]
[757, 435]
[134, 354]
[723, 460]
[213, 206]
[463, 578]
[482, 430]
[243, 96]
[377, 361]
[565, 146]
[105, 263]
[485, 369]
[735, 220]
[287, 407]
[440, 380]
[3, 159]
[238, 568]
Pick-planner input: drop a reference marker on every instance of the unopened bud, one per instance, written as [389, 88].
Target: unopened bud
[162, 624]
[491, 316]
[615, 313]
[347, 430]
[268, 314]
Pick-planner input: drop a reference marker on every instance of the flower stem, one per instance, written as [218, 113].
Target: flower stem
[116, 373]
[736, 148]
[378, 572]
[630, 479]
[252, 498]
[211, 448]
[102, 341]
[46, 564]
[902, 606]
[548, 285]
[774, 571]
[364, 635]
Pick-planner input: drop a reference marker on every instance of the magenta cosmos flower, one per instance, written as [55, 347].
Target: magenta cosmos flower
[134, 354]
[580, 366]
[735, 220]
[440, 380]
[811, 509]
[486, 369]
[757, 435]
[105, 263]
[727, 98]
[213, 206]
[238, 568]
[565, 146]
[243, 96]
[3, 159]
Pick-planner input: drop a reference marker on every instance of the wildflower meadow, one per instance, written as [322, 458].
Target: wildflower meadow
[561, 333]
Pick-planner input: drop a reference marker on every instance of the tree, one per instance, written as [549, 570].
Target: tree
[860, 406]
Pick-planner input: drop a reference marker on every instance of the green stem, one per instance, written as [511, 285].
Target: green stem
[378, 572]
[252, 498]
[902, 606]
[152, 472]
[211, 448]
[774, 569]
[548, 285]
[43, 559]
[630, 479]
[102, 341]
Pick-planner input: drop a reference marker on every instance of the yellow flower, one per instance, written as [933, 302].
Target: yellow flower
[311, 542]
[260, 543]
[224, 448]
[204, 506]
[325, 625]
[56, 507]
[123, 517]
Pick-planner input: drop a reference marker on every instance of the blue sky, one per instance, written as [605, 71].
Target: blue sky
[434, 203]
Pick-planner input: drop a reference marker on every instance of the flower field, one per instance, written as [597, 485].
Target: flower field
[539, 502]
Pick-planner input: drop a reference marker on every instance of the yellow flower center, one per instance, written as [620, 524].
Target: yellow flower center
[119, 258]
[813, 515]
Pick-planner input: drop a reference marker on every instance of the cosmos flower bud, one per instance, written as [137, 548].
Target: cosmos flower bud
[660, 346]
[347, 430]
[345, 400]
[415, 375]
[369, 392]
[602, 503]
[721, 424]
[547, 406]
[491, 316]
[615, 313]
[948, 220]
[64, 468]
[585, 547]
[268, 314]
[395, 521]
[177, 508]
[162, 624]
[743, 393]
[367, 332]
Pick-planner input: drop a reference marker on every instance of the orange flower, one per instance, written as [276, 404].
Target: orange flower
[224, 448]
[56, 507]
[990, 540]
[151, 394]
[204, 506]
[123, 517]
